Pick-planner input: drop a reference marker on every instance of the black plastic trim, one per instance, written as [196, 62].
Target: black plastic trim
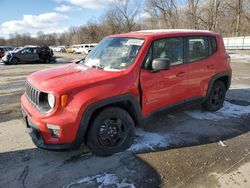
[38, 140]
[93, 107]
[216, 77]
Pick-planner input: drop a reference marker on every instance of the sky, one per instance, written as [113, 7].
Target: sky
[48, 16]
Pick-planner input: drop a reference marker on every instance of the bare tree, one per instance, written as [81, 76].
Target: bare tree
[123, 13]
[238, 16]
[165, 11]
[192, 13]
[2, 41]
[112, 21]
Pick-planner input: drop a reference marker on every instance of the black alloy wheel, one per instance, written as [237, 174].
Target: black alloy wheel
[112, 130]
[216, 97]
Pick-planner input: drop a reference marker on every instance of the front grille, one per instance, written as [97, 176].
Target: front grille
[32, 94]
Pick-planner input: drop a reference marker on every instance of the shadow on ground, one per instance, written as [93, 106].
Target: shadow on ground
[163, 131]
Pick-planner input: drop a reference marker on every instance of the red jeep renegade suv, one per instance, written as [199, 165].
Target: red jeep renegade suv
[100, 99]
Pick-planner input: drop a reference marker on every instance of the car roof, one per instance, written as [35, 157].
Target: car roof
[165, 32]
[31, 46]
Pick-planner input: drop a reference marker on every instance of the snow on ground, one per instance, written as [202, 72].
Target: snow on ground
[149, 141]
[227, 111]
[243, 57]
[237, 178]
[145, 141]
[100, 181]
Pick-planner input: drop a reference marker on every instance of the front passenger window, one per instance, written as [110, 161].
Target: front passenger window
[169, 48]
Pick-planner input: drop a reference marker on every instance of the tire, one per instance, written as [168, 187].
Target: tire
[216, 97]
[111, 131]
[6, 63]
[47, 61]
[14, 61]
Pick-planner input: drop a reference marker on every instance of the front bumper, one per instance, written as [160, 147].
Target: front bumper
[37, 138]
[5, 59]
[37, 126]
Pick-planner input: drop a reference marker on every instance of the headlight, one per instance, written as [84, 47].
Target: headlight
[51, 100]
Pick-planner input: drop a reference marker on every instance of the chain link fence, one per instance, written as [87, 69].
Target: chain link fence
[237, 43]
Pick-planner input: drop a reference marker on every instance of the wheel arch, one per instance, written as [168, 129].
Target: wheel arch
[225, 77]
[127, 102]
[18, 59]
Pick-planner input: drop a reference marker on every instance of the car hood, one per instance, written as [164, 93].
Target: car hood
[70, 76]
[12, 52]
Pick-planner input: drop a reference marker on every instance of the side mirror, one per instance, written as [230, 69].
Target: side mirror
[160, 64]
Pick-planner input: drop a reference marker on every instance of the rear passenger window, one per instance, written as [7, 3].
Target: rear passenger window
[197, 48]
[212, 45]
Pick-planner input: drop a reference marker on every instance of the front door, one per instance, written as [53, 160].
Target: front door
[167, 87]
[26, 54]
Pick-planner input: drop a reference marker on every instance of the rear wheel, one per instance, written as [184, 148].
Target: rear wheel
[112, 131]
[216, 97]
[47, 60]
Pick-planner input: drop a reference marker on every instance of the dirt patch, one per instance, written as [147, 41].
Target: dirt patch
[13, 84]
[9, 112]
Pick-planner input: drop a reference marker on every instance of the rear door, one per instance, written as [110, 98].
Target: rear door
[167, 87]
[201, 65]
[34, 55]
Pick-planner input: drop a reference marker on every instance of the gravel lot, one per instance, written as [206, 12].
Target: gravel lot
[188, 148]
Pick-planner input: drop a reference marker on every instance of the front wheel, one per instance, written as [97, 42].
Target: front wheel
[14, 61]
[111, 131]
[216, 97]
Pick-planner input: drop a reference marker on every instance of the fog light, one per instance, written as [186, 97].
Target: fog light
[54, 130]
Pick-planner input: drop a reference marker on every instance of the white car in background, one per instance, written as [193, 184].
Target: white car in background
[59, 49]
[75, 47]
[84, 48]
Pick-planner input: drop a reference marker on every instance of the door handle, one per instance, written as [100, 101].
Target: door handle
[180, 74]
[210, 66]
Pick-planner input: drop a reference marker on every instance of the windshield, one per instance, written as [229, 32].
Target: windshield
[18, 50]
[114, 53]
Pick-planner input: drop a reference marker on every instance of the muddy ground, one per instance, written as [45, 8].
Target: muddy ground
[187, 148]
